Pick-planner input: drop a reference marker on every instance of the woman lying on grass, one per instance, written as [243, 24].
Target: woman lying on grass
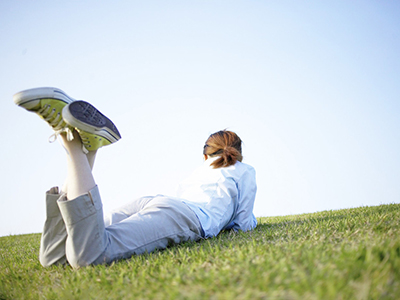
[219, 195]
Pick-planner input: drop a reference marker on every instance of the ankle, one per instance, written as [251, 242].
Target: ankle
[71, 144]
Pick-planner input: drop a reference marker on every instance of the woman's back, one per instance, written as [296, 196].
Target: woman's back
[221, 197]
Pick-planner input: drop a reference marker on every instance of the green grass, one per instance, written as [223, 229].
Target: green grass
[344, 254]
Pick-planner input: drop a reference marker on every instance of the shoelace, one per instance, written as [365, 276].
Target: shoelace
[60, 126]
[70, 137]
[55, 121]
[85, 143]
[48, 114]
[67, 130]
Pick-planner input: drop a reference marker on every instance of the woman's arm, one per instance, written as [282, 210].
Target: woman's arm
[247, 188]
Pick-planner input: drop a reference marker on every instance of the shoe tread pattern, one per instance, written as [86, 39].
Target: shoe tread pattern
[87, 113]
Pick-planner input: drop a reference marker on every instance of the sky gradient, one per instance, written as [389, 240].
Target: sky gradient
[311, 87]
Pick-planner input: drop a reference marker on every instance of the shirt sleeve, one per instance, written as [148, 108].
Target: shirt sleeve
[247, 187]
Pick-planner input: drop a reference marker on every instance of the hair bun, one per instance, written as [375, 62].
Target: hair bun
[225, 144]
[230, 155]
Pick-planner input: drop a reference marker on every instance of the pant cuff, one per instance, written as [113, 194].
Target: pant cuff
[83, 217]
[77, 209]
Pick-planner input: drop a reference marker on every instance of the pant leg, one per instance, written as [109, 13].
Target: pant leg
[83, 217]
[125, 211]
[54, 236]
[160, 222]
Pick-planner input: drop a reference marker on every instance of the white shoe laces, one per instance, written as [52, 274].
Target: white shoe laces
[85, 143]
[56, 133]
[48, 114]
[56, 122]
[60, 126]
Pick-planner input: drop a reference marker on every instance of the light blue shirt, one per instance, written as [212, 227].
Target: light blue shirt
[221, 198]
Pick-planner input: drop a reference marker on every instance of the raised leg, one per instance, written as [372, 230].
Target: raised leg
[79, 172]
[91, 157]
[54, 235]
[61, 240]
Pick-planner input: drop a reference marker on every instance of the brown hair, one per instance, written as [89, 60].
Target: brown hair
[225, 144]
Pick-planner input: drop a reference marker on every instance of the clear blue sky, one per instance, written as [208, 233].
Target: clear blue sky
[312, 88]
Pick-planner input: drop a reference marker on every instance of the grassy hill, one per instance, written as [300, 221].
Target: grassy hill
[344, 254]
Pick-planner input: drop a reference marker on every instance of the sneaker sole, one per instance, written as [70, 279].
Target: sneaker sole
[29, 99]
[84, 116]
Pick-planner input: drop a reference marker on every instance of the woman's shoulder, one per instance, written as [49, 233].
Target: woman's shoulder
[238, 170]
[244, 167]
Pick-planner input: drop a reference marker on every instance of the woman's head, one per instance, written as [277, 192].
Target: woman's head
[225, 144]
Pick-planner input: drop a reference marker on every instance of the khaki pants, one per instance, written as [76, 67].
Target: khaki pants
[75, 230]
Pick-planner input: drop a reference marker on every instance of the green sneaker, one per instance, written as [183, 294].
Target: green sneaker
[48, 103]
[95, 129]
